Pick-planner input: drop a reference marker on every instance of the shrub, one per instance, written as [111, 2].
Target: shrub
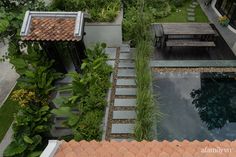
[178, 3]
[89, 96]
[99, 10]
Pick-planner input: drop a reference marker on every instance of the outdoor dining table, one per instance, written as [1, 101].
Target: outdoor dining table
[204, 30]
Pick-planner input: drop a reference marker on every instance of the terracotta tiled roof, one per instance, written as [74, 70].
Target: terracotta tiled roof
[52, 26]
[147, 149]
[54, 29]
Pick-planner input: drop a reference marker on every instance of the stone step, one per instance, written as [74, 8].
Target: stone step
[195, 3]
[125, 102]
[191, 14]
[60, 132]
[126, 82]
[126, 56]
[111, 63]
[122, 128]
[125, 48]
[126, 91]
[190, 10]
[191, 19]
[124, 115]
[192, 6]
[111, 52]
[126, 73]
[126, 64]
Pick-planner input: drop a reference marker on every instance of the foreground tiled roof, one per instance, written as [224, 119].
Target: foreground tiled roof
[147, 149]
[52, 26]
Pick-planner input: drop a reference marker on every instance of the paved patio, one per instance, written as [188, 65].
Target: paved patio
[8, 76]
[228, 35]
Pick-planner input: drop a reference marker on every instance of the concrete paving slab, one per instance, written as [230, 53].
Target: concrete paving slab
[191, 18]
[191, 14]
[111, 52]
[126, 82]
[190, 10]
[126, 56]
[126, 91]
[124, 115]
[126, 73]
[8, 75]
[122, 128]
[126, 64]
[125, 48]
[111, 63]
[125, 102]
[6, 140]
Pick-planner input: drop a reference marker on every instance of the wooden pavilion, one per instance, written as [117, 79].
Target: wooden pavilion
[52, 29]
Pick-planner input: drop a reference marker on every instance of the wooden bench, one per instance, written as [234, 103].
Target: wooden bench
[189, 43]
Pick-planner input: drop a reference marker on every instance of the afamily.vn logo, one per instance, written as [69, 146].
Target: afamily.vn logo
[216, 150]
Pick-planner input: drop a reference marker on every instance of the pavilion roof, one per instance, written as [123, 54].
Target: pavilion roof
[52, 26]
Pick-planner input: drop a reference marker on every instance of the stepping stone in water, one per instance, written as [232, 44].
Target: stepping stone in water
[191, 19]
[191, 14]
[126, 82]
[190, 10]
[125, 102]
[122, 128]
[126, 91]
[124, 115]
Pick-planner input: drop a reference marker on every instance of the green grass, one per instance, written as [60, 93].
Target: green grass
[7, 112]
[180, 15]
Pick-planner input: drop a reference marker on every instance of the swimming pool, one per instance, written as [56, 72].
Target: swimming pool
[196, 106]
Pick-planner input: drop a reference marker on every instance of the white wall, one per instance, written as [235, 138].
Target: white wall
[109, 33]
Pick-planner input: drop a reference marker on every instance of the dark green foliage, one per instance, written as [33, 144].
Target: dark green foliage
[88, 127]
[89, 96]
[99, 10]
[177, 3]
[31, 124]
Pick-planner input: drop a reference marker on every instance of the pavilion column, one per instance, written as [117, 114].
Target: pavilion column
[74, 56]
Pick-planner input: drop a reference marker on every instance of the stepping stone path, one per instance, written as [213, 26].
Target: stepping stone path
[122, 113]
[191, 12]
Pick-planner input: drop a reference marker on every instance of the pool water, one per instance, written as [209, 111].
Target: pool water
[196, 106]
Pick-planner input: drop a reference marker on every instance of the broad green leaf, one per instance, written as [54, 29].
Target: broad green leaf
[73, 120]
[14, 149]
[44, 108]
[59, 101]
[28, 140]
[35, 154]
[62, 111]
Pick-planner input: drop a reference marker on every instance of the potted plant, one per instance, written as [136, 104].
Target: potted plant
[224, 21]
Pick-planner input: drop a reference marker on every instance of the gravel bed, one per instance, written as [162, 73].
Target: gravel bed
[193, 70]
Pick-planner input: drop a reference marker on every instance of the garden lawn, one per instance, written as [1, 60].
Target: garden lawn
[180, 15]
[7, 111]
